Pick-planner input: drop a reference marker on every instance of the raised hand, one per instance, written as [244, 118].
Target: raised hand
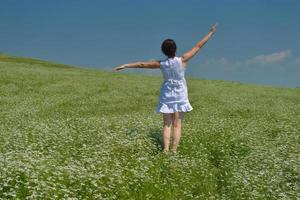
[213, 29]
[189, 54]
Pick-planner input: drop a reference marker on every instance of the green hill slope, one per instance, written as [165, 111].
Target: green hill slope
[82, 133]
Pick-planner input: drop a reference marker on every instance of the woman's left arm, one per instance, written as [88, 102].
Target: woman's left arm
[148, 65]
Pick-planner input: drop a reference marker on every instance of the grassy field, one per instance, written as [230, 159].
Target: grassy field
[72, 133]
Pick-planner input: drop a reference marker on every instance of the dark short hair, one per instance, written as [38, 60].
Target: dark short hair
[168, 47]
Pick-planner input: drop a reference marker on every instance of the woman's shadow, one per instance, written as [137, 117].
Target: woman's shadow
[156, 137]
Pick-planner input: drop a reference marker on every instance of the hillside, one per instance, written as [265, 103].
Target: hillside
[69, 132]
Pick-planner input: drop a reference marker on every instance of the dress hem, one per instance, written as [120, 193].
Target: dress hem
[177, 107]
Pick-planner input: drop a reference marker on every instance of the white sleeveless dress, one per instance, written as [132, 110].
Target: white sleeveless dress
[173, 92]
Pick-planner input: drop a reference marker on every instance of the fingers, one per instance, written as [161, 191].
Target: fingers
[214, 28]
[118, 68]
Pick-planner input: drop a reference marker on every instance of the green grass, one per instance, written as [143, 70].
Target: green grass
[86, 134]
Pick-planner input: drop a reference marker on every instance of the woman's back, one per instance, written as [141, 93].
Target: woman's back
[172, 69]
[173, 93]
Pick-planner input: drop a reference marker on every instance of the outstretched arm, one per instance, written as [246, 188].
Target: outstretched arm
[188, 55]
[149, 65]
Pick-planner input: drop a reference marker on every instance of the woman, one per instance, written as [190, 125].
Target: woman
[173, 100]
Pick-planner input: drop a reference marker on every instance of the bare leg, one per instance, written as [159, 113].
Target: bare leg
[177, 118]
[167, 130]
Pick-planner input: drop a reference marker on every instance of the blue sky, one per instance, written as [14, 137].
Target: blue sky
[257, 40]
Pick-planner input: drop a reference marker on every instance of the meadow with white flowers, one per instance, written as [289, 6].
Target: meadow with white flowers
[74, 133]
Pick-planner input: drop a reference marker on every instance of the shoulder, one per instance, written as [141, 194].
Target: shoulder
[181, 61]
[163, 62]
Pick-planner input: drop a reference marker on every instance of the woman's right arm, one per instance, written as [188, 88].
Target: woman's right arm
[188, 55]
[148, 65]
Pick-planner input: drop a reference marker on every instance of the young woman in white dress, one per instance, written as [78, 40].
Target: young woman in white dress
[173, 100]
